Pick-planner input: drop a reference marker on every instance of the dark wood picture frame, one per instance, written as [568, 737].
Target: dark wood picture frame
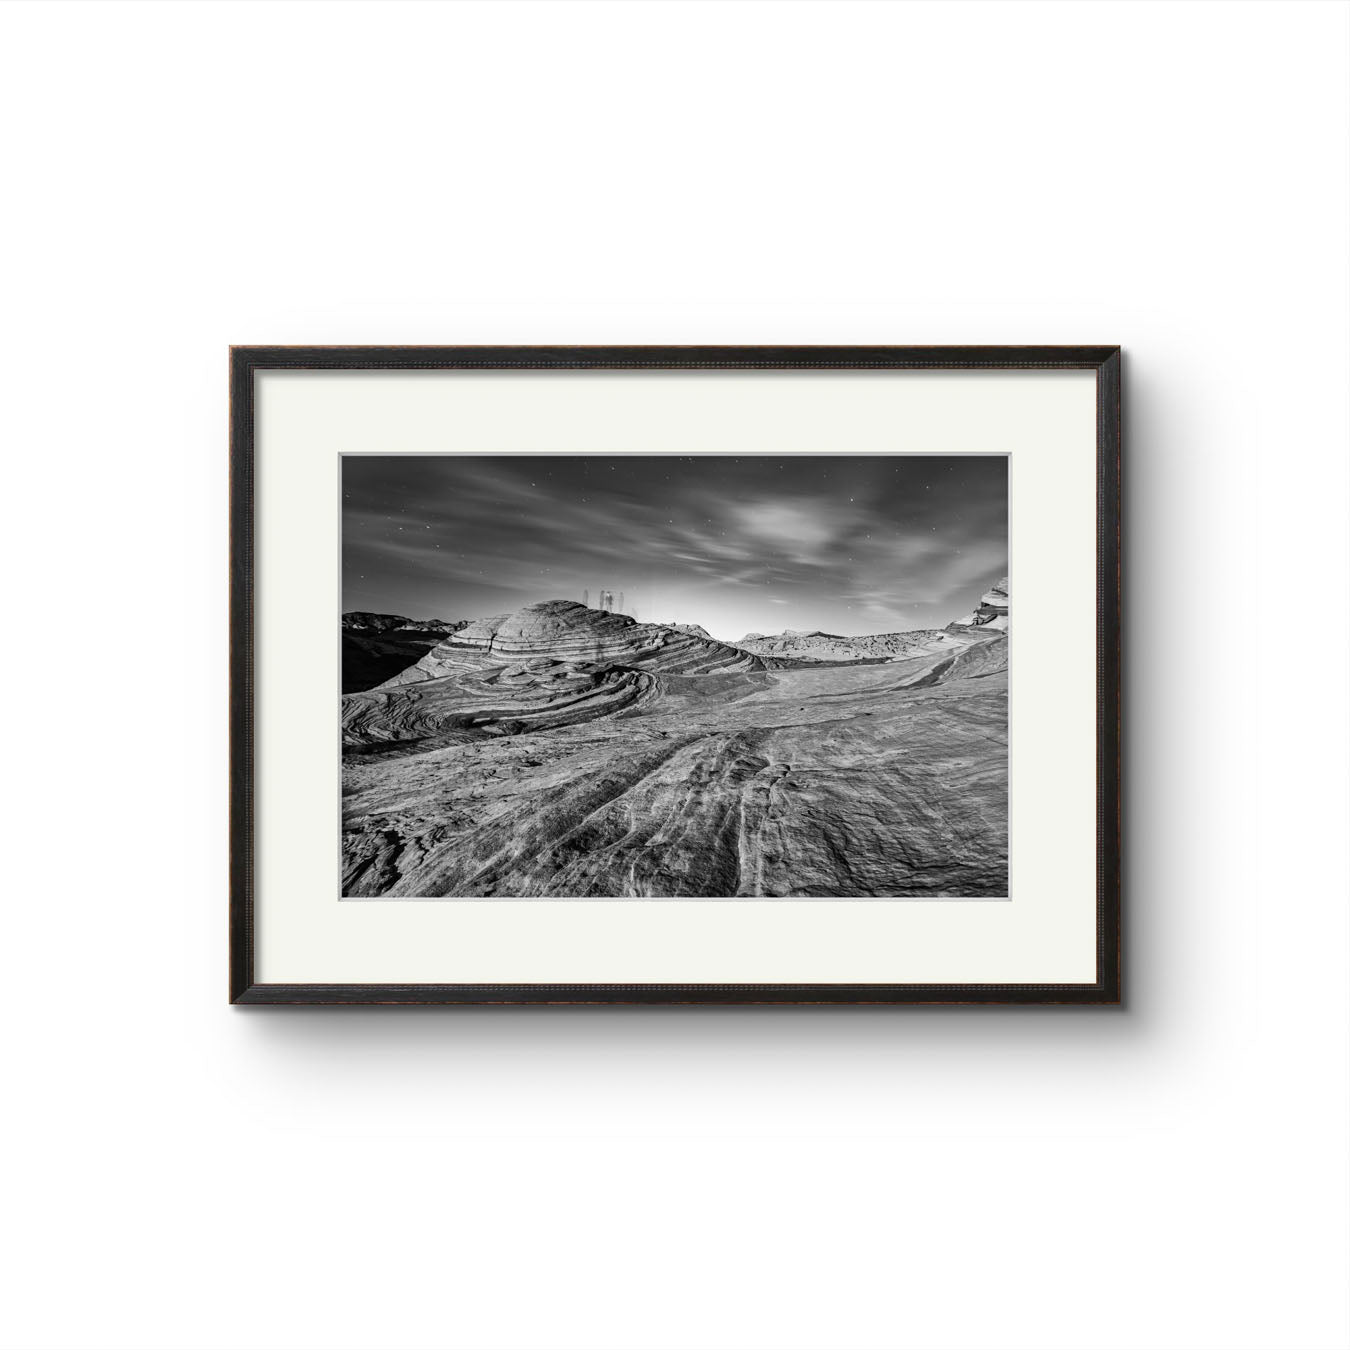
[246, 362]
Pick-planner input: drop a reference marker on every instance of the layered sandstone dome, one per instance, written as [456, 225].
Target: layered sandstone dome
[563, 631]
[553, 627]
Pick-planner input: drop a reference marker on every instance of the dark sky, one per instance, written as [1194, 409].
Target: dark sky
[848, 544]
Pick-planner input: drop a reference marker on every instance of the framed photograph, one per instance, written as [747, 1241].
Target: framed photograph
[675, 675]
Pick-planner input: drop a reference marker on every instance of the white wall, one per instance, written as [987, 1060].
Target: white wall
[1172, 177]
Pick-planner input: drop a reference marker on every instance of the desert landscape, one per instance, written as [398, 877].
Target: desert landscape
[566, 751]
[640, 676]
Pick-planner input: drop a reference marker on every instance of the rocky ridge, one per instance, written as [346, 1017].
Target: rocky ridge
[818, 646]
[376, 646]
[363, 621]
[990, 616]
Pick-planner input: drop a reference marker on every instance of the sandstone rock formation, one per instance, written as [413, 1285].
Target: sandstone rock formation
[566, 631]
[562, 752]
[992, 611]
[376, 646]
[362, 621]
[814, 645]
[818, 646]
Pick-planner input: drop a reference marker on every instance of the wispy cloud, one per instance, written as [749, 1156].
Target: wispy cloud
[735, 543]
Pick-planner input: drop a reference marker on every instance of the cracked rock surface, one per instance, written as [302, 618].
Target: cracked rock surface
[564, 752]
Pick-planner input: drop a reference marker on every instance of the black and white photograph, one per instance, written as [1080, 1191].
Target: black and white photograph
[675, 676]
[541, 834]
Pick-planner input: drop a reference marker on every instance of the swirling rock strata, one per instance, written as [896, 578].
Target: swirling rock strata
[545, 776]
[564, 630]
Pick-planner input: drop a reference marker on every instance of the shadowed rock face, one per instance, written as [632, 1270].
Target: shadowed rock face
[377, 646]
[561, 752]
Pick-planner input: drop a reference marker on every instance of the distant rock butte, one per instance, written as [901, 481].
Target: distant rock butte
[991, 612]
[832, 647]
[362, 621]
[815, 645]
[793, 633]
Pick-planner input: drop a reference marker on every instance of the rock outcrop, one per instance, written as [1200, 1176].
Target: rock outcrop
[362, 621]
[818, 646]
[990, 616]
[378, 646]
[568, 632]
[991, 612]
